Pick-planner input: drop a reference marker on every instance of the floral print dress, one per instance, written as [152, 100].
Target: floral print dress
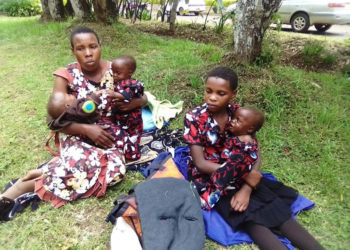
[130, 121]
[82, 169]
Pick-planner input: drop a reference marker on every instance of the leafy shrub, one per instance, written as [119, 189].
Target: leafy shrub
[265, 59]
[329, 59]
[224, 2]
[314, 53]
[219, 28]
[145, 15]
[347, 41]
[346, 70]
[21, 7]
[154, 1]
[311, 52]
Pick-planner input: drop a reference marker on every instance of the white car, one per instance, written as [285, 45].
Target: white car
[191, 6]
[301, 14]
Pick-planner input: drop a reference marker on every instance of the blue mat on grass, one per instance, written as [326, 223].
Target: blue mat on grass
[215, 226]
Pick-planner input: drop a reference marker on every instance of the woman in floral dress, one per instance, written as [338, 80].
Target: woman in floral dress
[82, 169]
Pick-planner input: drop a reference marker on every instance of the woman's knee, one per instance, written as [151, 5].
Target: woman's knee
[32, 174]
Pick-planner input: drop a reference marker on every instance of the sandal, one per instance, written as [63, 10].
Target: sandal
[6, 206]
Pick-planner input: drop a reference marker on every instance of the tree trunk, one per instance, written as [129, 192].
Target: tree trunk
[68, 9]
[45, 15]
[56, 9]
[82, 9]
[173, 15]
[252, 19]
[105, 10]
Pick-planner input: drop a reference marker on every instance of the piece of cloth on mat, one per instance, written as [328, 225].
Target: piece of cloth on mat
[162, 111]
[153, 143]
[147, 120]
[216, 227]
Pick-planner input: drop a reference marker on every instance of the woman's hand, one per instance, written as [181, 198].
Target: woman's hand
[99, 135]
[240, 201]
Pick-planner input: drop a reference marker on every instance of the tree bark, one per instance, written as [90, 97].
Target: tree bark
[56, 9]
[105, 10]
[68, 9]
[252, 19]
[45, 15]
[81, 8]
[173, 15]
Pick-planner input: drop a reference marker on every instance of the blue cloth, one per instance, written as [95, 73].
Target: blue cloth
[147, 120]
[216, 227]
[155, 165]
[181, 159]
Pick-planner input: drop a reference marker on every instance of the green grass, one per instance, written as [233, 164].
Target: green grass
[304, 141]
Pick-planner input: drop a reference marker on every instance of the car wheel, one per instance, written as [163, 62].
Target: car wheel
[181, 11]
[322, 27]
[196, 13]
[300, 22]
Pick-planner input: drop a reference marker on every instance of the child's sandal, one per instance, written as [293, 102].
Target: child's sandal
[6, 206]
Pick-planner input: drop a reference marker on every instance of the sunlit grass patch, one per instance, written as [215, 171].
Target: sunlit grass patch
[304, 142]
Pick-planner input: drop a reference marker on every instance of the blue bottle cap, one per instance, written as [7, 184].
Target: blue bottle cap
[89, 107]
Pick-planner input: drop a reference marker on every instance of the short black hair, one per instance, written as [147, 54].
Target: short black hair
[225, 73]
[129, 61]
[81, 30]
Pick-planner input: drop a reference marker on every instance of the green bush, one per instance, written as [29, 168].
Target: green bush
[346, 70]
[224, 2]
[145, 15]
[311, 52]
[347, 41]
[265, 59]
[21, 7]
[329, 59]
[314, 52]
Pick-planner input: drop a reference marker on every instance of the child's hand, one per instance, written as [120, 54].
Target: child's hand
[115, 96]
[240, 201]
[99, 92]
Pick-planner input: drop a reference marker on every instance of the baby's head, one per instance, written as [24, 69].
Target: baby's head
[58, 103]
[246, 121]
[123, 67]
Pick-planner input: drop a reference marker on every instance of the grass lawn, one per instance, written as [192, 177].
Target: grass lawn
[304, 142]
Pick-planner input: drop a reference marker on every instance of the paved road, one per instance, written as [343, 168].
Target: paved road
[336, 31]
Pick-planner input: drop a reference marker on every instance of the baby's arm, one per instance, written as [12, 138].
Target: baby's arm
[240, 201]
[204, 166]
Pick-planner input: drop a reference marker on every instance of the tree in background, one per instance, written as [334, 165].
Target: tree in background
[82, 9]
[252, 19]
[45, 15]
[56, 9]
[172, 18]
[105, 10]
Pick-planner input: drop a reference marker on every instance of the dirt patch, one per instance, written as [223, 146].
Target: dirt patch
[193, 32]
[334, 57]
[312, 54]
